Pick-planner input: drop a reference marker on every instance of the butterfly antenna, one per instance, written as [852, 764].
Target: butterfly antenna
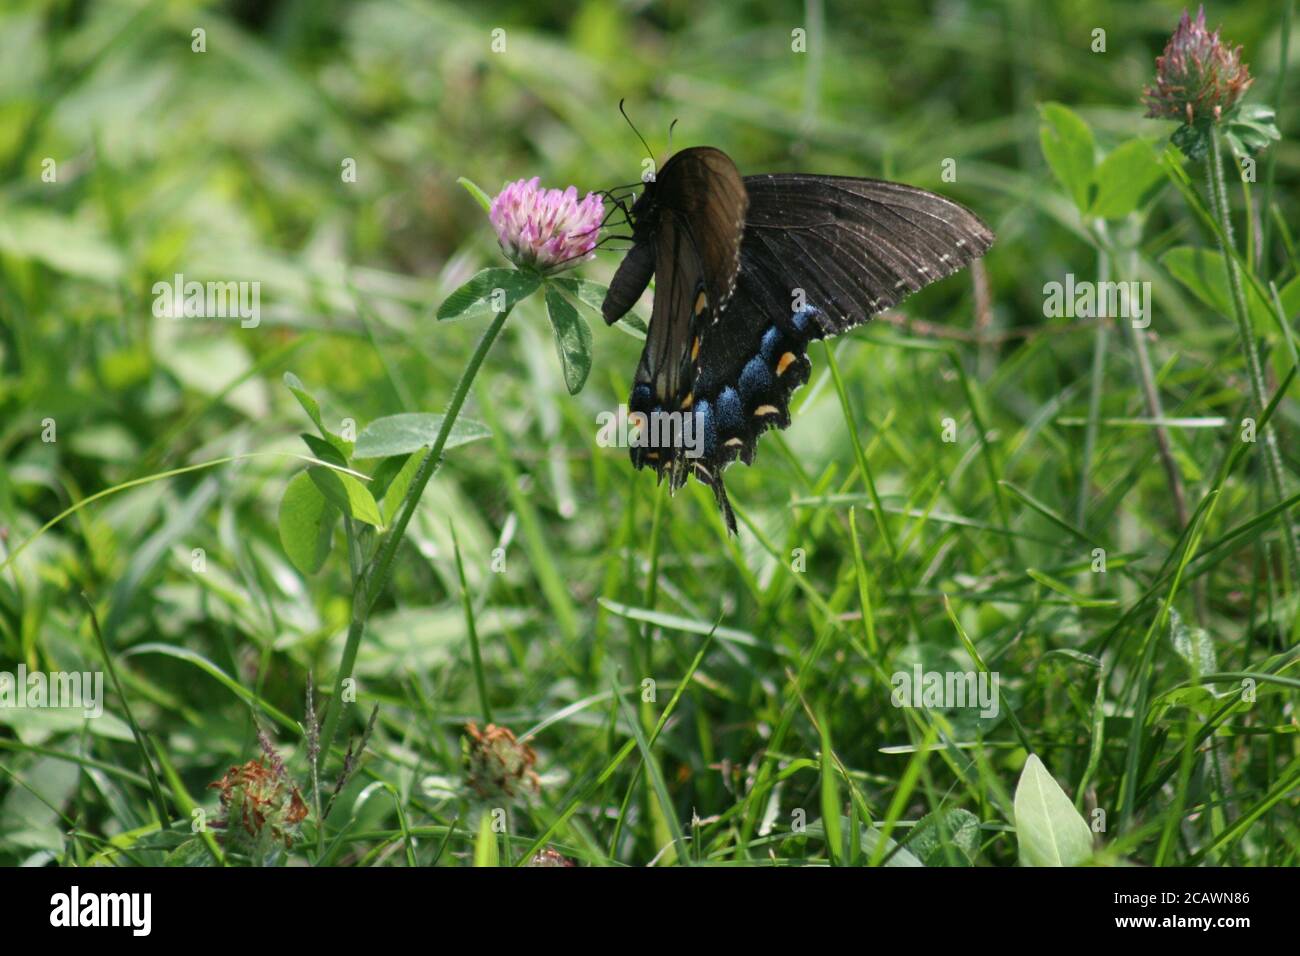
[648, 151]
[670, 136]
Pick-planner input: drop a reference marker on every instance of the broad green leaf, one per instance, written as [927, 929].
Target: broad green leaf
[66, 244]
[1203, 273]
[479, 195]
[1127, 174]
[492, 290]
[572, 339]
[1049, 830]
[947, 838]
[348, 495]
[1253, 128]
[190, 853]
[410, 431]
[1069, 149]
[306, 524]
[592, 296]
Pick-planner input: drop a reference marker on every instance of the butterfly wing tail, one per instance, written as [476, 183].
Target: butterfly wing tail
[714, 481]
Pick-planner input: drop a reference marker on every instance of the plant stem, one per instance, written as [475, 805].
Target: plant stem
[1094, 399]
[369, 585]
[1147, 379]
[1254, 370]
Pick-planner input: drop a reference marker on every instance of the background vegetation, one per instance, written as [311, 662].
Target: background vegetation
[226, 165]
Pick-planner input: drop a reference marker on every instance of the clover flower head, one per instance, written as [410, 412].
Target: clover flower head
[546, 229]
[498, 765]
[260, 803]
[1199, 78]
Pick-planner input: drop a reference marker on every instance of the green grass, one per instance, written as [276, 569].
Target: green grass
[955, 474]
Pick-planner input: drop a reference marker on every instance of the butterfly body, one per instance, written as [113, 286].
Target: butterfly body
[748, 271]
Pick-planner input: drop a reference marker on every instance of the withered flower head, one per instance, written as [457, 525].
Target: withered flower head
[1199, 78]
[550, 857]
[498, 765]
[257, 801]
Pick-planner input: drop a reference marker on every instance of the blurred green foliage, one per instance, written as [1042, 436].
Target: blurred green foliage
[232, 164]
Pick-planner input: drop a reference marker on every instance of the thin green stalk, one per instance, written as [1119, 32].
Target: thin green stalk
[1098, 378]
[1272, 457]
[1279, 88]
[1147, 380]
[141, 742]
[476, 657]
[370, 583]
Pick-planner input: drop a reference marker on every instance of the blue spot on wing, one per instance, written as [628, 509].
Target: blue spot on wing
[755, 379]
[731, 416]
[705, 422]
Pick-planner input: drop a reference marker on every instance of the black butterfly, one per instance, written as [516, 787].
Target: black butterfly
[749, 270]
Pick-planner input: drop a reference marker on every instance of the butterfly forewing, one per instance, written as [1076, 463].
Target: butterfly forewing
[857, 246]
[706, 196]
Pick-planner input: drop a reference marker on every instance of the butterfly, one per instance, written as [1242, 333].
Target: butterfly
[748, 270]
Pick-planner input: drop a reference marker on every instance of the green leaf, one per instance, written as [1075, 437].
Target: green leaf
[486, 851]
[395, 493]
[592, 296]
[1193, 644]
[1251, 128]
[70, 245]
[411, 431]
[830, 800]
[1124, 177]
[480, 294]
[385, 473]
[305, 398]
[572, 339]
[1060, 587]
[946, 838]
[312, 408]
[1069, 149]
[1193, 140]
[324, 450]
[347, 494]
[1203, 273]
[479, 195]
[1048, 828]
[306, 524]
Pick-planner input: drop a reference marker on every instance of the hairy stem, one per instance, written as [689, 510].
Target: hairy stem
[369, 584]
[1254, 370]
